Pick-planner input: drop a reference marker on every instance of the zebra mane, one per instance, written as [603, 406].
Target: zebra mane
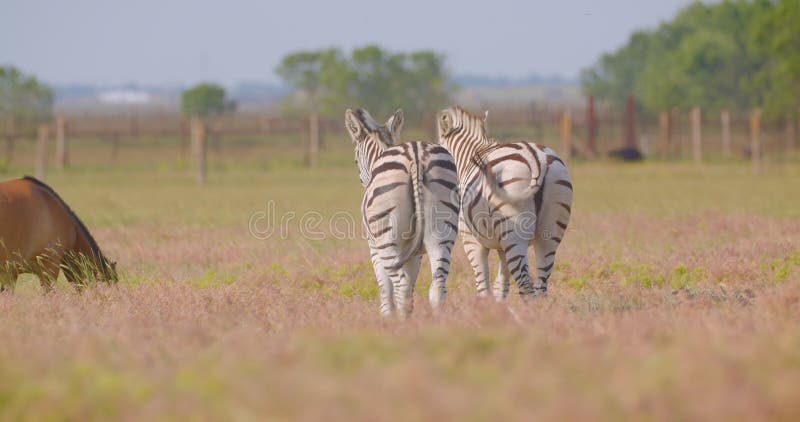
[466, 117]
[463, 110]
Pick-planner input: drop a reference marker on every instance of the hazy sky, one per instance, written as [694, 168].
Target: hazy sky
[184, 41]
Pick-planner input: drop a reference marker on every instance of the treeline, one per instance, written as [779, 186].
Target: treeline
[23, 97]
[327, 81]
[733, 54]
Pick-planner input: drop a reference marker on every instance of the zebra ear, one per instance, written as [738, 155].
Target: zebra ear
[395, 124]
[445, 122]
[485, 120]
[354, 126]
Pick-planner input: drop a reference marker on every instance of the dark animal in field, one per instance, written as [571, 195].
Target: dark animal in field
[40, 234]
[626, 154]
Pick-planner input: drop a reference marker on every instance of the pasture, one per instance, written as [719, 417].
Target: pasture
[675, 295]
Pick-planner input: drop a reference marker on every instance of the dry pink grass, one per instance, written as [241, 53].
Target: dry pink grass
[269, 332]
[676, 295]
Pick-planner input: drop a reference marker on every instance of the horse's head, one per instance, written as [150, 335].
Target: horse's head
[108, 271]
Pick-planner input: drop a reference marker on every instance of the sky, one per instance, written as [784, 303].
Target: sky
[162, 42]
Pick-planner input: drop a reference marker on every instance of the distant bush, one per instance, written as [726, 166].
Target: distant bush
[204, 99]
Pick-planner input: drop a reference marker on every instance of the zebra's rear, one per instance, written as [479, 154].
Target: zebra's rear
[410, 205]
[504, 186]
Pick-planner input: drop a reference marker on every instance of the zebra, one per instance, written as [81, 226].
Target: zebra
[410, 206]
[513, 195]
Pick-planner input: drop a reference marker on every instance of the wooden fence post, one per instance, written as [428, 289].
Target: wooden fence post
[42, 135]
[630, 135]
[114, 147]
[62, 146]
[264, 124]
[677, 132]
[697, 139]
[566, 135]
[591, 127]
[663, 125]
[198, 134]
[10, 137]
[430, 122]
[725, 118]
[216, 133]
[313, 139]
[755, 140]
[184, 137]
[537, 114]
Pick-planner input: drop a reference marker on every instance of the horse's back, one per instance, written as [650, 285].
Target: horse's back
[31, 220]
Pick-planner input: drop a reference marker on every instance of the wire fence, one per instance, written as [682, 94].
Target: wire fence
[273, 140]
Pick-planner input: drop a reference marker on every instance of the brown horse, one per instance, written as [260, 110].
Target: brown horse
[40, 234]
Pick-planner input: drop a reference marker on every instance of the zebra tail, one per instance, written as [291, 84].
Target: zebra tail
[525, 195]
[419, 231]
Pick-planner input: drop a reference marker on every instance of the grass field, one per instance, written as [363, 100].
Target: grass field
[676, 295]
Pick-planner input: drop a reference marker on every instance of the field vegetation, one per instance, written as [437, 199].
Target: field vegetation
[676, 295]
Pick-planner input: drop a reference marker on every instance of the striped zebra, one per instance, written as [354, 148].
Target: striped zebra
[512, 196]
[410, 206]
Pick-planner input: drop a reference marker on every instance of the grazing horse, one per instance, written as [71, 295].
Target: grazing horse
[40, 234]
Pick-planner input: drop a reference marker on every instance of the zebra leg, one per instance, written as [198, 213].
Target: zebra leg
[552, 222]
[439, 255]
[384, 285]
[500, 287]
[545, 250]
[518, 267]
[479, 259]
[403, 280]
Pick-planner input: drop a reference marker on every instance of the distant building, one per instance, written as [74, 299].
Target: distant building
[123, 97]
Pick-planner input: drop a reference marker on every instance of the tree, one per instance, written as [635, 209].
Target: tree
[775, 36]
[204, 99]
[23, 96]
[737, 54]
[327, 81]
[429, 87]
[320, 79]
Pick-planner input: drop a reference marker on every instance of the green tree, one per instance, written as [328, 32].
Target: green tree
[327, 81]
[23, 96]
[775, 36]
[428, 87]
[320, 79]
[730, 54]
[204, 99]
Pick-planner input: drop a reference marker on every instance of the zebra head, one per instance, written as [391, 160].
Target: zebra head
[464, 135]
[370, 138]
[457, 126]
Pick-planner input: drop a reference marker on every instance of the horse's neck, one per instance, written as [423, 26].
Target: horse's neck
[84, 246]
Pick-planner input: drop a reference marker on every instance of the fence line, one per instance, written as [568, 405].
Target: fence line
[584, 134]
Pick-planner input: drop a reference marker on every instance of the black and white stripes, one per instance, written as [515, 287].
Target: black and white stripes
[512, 195]
[418, 195]
[410, 205]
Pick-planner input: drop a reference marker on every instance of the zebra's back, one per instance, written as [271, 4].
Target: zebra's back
[389, 206]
